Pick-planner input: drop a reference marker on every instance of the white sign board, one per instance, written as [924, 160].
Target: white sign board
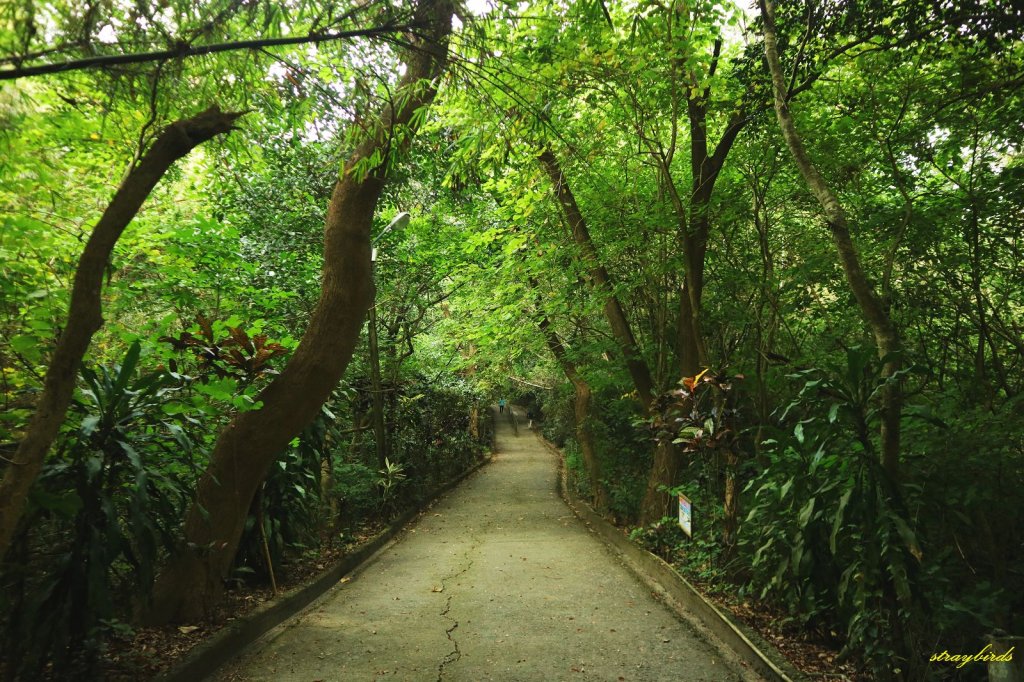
[685, 516]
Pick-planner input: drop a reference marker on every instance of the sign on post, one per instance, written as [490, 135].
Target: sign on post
[685, 516]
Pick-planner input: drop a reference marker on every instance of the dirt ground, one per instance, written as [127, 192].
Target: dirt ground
[498, 581]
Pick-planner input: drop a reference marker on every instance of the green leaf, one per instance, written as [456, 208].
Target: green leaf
[131, 359]
[805, 514]
[784, 490]
[88, 425]
[23, 343]
[837, 521]
[907, 535]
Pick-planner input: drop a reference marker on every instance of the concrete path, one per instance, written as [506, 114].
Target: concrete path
[498, 581]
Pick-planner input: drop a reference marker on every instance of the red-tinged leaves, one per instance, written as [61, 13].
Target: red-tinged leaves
[206, 327]
[237, 355]
[241, 339]
[239, 360]
[697, 418]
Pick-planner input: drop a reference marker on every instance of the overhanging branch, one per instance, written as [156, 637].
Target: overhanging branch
[530, 383]
[186, 50]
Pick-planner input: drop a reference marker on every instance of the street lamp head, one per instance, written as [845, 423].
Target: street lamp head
[399, 222]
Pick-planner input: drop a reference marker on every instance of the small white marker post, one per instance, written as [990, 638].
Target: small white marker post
[686, 516]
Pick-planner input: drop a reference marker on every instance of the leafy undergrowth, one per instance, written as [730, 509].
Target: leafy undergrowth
[146, 652]
[813, 653]
[809, 653]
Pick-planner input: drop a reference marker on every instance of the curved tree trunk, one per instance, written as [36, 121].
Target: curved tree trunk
[581, 415]
[85, 314]
[666, 460]
[193, 581]
[886, 338]
[623, 333]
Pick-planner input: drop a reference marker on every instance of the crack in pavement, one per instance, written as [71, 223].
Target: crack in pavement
[455, 654]
[509, 545]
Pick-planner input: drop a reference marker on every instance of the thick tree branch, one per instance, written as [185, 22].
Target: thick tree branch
[186, 50]
[621, 329]
[85, 315]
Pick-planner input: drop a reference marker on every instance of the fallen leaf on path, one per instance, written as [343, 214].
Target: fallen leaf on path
[437, 588]
[185, 629]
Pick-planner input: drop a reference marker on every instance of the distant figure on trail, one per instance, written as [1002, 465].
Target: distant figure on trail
[501, 406]
[530, 416]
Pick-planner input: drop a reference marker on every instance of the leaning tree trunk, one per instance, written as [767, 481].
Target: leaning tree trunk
[886, 338]
[601, 281]
[193, 581]
[581, 415]
[666, 460]
[85, 314]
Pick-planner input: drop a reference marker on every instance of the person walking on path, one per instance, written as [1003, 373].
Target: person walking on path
[501, 406]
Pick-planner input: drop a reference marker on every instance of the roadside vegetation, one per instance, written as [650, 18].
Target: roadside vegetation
[266, 267]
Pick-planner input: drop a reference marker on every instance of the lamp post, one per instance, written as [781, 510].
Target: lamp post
[399, 221]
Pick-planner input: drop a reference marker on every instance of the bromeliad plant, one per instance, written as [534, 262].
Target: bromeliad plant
[700, 418]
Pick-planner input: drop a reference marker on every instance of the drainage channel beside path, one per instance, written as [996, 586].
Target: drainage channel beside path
[497, 581]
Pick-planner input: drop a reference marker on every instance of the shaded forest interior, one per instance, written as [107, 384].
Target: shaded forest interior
[267, 267]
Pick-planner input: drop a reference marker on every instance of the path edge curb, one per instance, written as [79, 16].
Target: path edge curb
[229, 642]
[656, 572]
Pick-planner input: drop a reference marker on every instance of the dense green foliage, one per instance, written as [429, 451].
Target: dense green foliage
[660, 117]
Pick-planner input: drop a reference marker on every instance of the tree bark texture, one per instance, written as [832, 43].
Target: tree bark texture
[192, 583]
[694, 228]
[85, 314]
[886, 338]
[613, 311]
[666, 459]
[581, 415]
[731, 503]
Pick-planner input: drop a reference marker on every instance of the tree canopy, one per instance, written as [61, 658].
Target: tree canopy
[765, 256]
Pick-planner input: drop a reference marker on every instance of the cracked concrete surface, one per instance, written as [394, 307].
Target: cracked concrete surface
[455, 654]
[498, 581]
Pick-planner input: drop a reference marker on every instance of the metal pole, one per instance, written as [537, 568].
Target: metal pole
[379, 431]
[378, 398]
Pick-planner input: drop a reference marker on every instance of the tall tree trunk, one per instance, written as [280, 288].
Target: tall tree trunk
[886, 338]
[85, 314]
[765, 335]
[581, 414]
[601, 281]
[694, 228]
[666, 460]
[193, 581]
